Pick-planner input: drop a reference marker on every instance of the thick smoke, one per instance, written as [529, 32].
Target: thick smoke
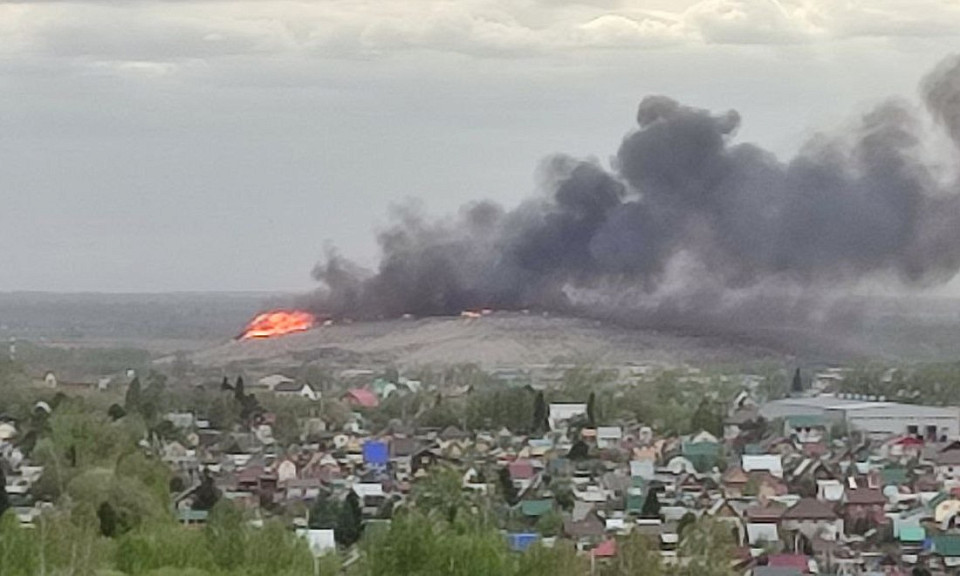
[683, 195]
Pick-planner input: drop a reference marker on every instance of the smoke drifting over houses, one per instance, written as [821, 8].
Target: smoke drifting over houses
[685, 215]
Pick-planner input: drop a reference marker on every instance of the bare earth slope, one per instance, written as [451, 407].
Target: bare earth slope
[499, 340]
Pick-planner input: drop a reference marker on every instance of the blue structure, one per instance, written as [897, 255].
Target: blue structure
[521, 542]
[376, 453]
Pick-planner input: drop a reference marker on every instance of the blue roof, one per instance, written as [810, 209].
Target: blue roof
[375, 452]
[520, 542]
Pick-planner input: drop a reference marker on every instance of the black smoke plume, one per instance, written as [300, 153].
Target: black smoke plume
[683, 194]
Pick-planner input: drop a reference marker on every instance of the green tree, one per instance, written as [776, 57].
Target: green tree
[116, 412]
[707, 549]
[651, 505]
[132, 399]
[507, 489]
[592, 410]
[225, 535]
[324, 513]
[579, 451]
[108, 519]
[707, 417]
[207, 495]
[540, 414]
[550, 524]
[4, 497]
[441, 494]
[797, 386]
[350, 521]
[636, 554]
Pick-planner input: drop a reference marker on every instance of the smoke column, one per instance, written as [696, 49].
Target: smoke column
[682, 194]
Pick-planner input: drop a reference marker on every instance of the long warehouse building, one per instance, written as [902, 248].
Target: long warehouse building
[878, 418]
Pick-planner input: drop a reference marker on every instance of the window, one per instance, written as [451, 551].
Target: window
[913, 430]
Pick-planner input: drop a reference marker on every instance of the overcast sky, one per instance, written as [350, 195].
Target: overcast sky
[193, 145]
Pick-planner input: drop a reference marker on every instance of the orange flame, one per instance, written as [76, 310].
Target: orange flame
[278, 323]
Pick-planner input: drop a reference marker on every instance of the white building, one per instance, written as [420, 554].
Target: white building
[872, 415]
[295, 390]
[560, 414]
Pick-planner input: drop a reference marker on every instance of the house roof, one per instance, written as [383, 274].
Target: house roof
[769, 513]
[362, 397]
[806, 421]
[912, 534]
[289, 386]
[521, 470]
[536, 508]
[400, 447]
[590, 526]
[735, 475]
[949, 456]
[796, 561]
[946, 545]
[809, 509]
[865, 496]
[606, 549]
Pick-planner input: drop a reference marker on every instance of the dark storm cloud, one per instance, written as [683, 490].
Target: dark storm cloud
[847, 206]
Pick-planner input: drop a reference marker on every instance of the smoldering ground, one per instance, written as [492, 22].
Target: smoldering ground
[689, 226]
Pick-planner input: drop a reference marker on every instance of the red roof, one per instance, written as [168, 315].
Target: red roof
[521, 470]
[606, 549]
[362, 397]
[789, 561]
[909, 441]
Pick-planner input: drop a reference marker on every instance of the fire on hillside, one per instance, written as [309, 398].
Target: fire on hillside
[278, 323]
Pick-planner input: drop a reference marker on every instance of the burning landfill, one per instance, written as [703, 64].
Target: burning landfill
[278, 323]
[687, 221]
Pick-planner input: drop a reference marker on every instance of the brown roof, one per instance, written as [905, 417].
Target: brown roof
[810, 509]
[865, 496]
[735, 475]
[769, 513]
[591, 526]
[949, 457]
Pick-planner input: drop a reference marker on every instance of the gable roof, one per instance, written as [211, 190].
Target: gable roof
[521, 470]
[949, 456]
[362, 397]
[536, 508]
[946, 545]
[289, 386]
[865, 496]
[810, 509]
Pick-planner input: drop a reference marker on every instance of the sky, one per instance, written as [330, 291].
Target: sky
[189, 145]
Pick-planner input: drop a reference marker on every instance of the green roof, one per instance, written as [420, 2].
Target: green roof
[536, 508]
[938, 499]
[912, 534]
[635, 502]
[753, 450]
[805, 421]
[946, 545]
[701, 449]
[893, 476]
[192, 515]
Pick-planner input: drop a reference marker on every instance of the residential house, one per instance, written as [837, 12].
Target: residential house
[361, 398]
[561, 414]
[609, 437]
[863, 508]
[296, 390]
[813, 518]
